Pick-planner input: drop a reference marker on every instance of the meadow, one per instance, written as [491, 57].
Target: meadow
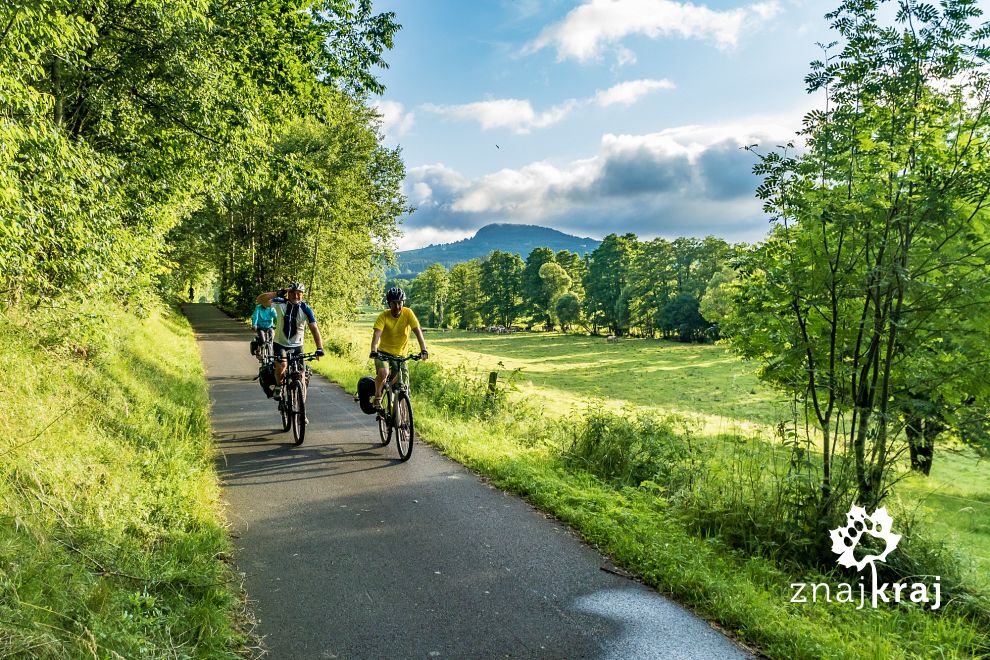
[565, 388]
[713, 386]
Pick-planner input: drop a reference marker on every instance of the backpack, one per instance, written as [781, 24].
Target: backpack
[366, 390]
[266, 378]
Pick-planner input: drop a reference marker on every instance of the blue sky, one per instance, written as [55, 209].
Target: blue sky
[593, 116]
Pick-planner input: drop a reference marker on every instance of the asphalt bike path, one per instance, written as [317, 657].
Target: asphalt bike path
[348, 553]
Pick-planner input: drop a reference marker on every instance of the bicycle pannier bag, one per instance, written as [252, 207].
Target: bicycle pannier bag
[254, 347]
[266, 378]
[366, 390]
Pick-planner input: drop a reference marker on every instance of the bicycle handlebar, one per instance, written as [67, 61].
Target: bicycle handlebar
[396, 358]
[302, 356]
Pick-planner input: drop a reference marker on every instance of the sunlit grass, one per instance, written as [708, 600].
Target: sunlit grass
[562, 377]
[111, 533]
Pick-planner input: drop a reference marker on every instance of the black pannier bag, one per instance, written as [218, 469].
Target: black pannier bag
[266, 378]
[366, 390]
[254, 347]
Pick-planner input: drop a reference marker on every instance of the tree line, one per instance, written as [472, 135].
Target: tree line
[147, 146]
[654, 288]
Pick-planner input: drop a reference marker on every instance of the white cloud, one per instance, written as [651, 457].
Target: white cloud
[629, 92]
[586, 30]
[395, 120]
[414, 237]
[518, 115]
[514, 114]
[688, 180]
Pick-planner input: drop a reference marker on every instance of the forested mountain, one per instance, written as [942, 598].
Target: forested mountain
[515, 239]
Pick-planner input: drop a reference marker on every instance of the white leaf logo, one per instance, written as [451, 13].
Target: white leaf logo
[846, 539]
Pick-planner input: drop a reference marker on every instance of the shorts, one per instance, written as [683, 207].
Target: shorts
[283, 352]
[392, 366]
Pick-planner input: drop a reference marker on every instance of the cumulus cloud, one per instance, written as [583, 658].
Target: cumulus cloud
[688, 180]
[516, 115]
[587, 30]
[395, 120]
[414, 237]
[629, 92]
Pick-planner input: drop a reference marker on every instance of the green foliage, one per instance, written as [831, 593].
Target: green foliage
[717, 521]
[608, 268]
[680, 316]
[464, 298]
[632, 448]
[463, 392]
[111, 534]
[535, 300]
[568, 310]
[861, 302]
[501, 285]
[320, 208]
[428, 296]
[657, 272]
[717, 303]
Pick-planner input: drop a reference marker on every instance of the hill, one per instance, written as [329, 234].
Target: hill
[520, 239]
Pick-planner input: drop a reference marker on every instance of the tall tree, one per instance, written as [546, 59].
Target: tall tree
[465, 297]
[554, 282]
[652, 284]
[501, 283]
[859, 303]
[607, 274]
[534, 297]
[428, 296]
[575, 267]
[568, 309]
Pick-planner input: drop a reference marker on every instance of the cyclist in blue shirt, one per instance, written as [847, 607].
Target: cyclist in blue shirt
[263, 322]
[292, 317]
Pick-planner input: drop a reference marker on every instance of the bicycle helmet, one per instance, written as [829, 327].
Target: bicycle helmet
[296, 286]
[395, 293]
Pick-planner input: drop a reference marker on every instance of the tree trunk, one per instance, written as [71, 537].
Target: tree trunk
[921, 433]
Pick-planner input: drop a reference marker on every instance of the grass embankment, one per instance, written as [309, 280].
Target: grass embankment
[111, 534]
[680, 529]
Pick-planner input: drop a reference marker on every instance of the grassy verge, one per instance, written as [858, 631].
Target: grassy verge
[111, 540]
[672, 537]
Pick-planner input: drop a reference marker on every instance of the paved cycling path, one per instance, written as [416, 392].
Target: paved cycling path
[348, 553]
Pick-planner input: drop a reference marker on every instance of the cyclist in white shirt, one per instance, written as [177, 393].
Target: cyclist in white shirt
[292, 317]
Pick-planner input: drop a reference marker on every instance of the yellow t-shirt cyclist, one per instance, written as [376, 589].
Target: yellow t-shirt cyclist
[391, 337]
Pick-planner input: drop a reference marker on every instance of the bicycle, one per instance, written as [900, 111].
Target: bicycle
[292, 403]
[265, 353]
[396, 412]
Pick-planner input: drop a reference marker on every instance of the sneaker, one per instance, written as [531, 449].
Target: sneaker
[376, 403]
[277, 393]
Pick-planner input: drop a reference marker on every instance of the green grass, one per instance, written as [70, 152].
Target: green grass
[111, 534]
[564, 371]
[648, 528]
[954, 504]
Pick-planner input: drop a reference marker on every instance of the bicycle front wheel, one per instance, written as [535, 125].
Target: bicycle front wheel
[284, 410]
[384, 428]
[298, 412]
[403, 426]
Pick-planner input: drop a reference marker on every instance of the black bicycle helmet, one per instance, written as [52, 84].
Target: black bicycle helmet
[395, 293]
[297, 286]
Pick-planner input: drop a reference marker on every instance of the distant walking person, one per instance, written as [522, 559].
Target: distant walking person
[191, 293]
[292, 316]
[390, 339]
